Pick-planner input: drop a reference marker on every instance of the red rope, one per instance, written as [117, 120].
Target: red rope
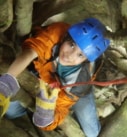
[98, 83]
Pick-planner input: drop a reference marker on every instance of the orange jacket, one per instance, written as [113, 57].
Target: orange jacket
[42, 43]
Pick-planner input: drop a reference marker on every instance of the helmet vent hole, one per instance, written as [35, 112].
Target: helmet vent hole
[98, 48]
[105, 44]
[91, 24]
[94, 37]
[84, 29]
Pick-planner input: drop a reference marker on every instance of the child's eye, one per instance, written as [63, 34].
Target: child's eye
[81, 55]
[72, 45]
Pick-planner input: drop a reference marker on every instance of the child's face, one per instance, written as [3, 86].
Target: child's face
[70, 54]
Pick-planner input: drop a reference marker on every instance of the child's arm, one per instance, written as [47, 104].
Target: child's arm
[8, 84]
[21, 62]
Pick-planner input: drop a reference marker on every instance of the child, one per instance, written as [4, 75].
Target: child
[62, 54]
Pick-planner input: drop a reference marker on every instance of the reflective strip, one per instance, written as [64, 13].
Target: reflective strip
[44, 104]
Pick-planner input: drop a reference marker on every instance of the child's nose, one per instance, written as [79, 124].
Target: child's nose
[72, 56]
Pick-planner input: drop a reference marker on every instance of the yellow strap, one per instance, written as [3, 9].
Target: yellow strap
[45, 105]
[97, 71]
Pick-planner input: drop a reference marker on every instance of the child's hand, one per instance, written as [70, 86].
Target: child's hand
[45, 105]
[4, 104]
[55, 85]
[8, 87]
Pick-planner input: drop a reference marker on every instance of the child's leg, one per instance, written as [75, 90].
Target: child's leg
[15, 110]
[85, 111]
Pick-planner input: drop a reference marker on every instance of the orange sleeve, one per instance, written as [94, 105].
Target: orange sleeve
[45, 39]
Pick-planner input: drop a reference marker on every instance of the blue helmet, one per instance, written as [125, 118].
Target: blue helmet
[89, 36]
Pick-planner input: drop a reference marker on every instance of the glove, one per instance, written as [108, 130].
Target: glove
[4, 104]
[8, 87]
[45, 105]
